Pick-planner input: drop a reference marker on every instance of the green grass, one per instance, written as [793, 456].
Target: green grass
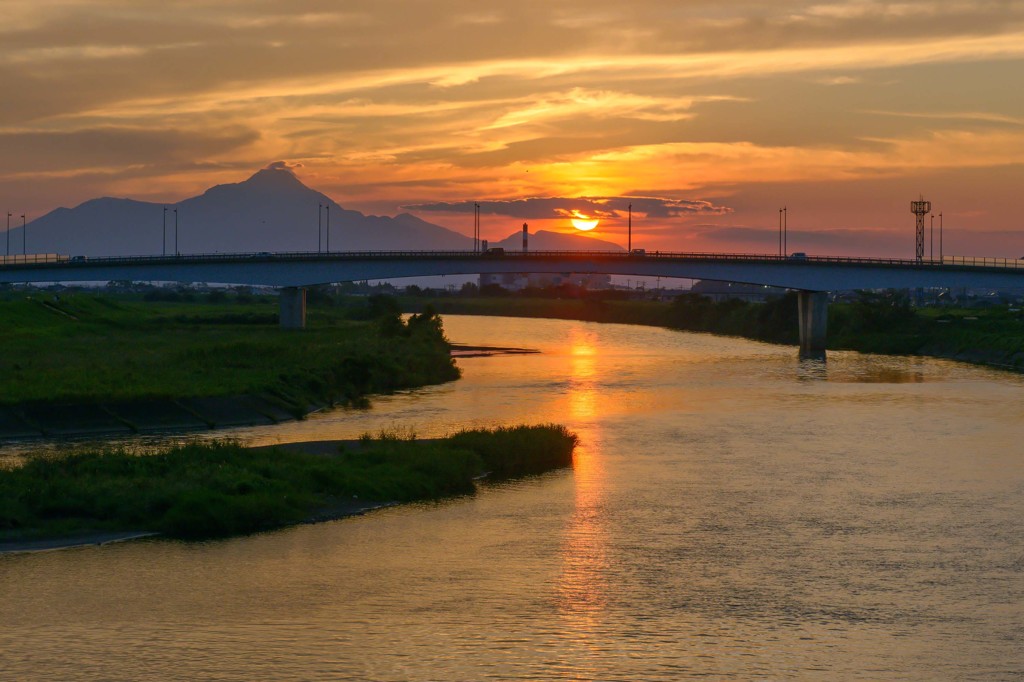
[100, 348]
[216, 490]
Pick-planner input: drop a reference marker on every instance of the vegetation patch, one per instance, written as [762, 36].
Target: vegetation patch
[215, 490]
[89, 349]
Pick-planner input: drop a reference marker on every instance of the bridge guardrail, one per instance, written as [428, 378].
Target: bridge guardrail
[33, 258]
[42, 260]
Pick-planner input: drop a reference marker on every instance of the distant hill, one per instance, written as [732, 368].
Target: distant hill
[271, 211]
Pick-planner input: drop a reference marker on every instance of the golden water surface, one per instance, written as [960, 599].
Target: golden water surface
[732, 513]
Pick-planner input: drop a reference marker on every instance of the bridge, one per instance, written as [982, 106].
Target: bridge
[812, 277]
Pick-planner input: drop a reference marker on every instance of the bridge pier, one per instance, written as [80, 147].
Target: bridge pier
[812, 308]
[292, 302]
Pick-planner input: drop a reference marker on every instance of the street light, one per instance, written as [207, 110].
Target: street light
[319, 227]
[931, 239]
[24, 236]
[780, 233]
[9, 214]
[176, 253]
[328, 226]
[476, 227]
[163, 236]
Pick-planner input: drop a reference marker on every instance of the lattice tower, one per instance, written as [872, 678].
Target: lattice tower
[920, 208]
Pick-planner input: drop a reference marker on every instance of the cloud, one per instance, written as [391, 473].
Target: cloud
[543, 208]
[283, 165]
[840, 80]
[113, 147]
[594, 102]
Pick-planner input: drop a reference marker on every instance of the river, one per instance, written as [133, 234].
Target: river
[732, 513]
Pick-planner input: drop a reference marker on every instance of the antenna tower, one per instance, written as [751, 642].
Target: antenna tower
[920, 208]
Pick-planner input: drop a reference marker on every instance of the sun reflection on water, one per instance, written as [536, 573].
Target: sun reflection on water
[583, 581]
[583, 375]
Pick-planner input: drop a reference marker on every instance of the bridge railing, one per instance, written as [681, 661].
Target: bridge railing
[42, 260]
[33, 258]
[1015, 263]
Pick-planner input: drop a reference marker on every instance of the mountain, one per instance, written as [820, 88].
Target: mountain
[271, 211]
[543, 240]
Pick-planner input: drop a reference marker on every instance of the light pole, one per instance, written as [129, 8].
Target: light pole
[328, 226]
[931, 239]
[940, 235]
[163, 236]
[319, 228]
[24, 236]
[176, 252]
[785, 230]
[9, 214]
[629, 238]
[780, 233]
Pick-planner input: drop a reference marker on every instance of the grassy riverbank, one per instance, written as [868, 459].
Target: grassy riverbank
[204, 491]
[97, 349]
[876, 323]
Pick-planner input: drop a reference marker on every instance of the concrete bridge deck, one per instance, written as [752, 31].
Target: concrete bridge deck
[810, 273]
[812, 276]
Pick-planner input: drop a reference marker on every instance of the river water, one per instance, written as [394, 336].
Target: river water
[732, 513]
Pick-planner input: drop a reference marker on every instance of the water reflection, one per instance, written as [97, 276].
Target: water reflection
[582, 585]
[854, 368]
[582, 375]
[809, 369]
[866, 369]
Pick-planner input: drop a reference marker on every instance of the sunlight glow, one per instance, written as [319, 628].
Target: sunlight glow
[582, 222]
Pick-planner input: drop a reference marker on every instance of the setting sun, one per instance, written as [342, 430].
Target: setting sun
[582, 222]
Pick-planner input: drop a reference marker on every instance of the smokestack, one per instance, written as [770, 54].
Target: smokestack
[526, 238]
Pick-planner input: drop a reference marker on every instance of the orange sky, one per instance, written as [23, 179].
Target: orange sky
[712, 115]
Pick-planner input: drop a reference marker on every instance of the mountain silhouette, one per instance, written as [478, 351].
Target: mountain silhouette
[271, 211]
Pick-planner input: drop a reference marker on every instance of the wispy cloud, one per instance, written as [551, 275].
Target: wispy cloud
[592, 207]
[973, 116]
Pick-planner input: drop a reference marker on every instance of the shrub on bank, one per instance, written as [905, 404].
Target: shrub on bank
[510, 451]
[221, 489]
